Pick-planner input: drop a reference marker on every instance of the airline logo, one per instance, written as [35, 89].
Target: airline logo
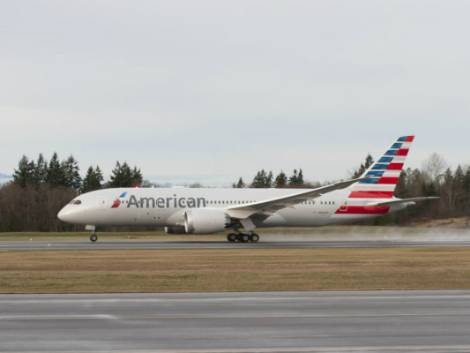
[383, 176]
[117, 203]
[382, 179]
[160, 202]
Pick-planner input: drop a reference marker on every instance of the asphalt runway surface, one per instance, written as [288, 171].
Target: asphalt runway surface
[382, 321]
[129, 245]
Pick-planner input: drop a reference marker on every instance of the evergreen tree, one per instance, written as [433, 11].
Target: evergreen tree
[239, 184]
[259, 179]
[71, 173]
[364, 166]
[430, 187]
[447, 192]
[99, 177]
[297, 179]
[93, 180]
[269, 180]
[262, 179]
[137, 177]
[123, 176]
[281, 180]
[402, 189]
[55, 173]
[40, 171]
[458, 188]
[466, 190]
[300, 178]
[459, 180]
[466, 181]
[416, 185]
[293, 179]
[24, 174]
[118, 178]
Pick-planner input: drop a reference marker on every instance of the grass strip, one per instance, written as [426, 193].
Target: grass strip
[214, 270]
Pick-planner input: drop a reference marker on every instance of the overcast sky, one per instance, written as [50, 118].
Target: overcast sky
[217, 89]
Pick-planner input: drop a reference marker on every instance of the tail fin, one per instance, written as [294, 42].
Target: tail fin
[382, 176]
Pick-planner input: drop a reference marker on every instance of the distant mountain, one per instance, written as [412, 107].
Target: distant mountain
[187, 180]
[4, 178]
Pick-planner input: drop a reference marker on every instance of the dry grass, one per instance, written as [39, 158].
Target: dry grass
[106, 236]
[233, 270]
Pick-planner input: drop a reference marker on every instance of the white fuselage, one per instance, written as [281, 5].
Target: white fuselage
[167, 206]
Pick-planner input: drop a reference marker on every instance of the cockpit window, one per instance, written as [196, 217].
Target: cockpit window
[76, 202]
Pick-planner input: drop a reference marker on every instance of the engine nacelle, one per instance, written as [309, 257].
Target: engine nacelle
[175, 230]
[205, 220]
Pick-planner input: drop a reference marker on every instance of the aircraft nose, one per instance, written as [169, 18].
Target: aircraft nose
[65, 214]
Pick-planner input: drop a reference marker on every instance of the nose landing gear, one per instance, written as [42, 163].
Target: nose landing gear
[243, 237]
[93, 236]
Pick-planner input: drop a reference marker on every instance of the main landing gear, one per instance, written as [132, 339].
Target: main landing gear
[243, 237]
[93, 237]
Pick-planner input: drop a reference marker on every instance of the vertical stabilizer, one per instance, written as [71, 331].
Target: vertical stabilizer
[382, 176]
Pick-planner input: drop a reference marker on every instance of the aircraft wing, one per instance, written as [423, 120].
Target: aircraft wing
[398, 201]
[270, 206]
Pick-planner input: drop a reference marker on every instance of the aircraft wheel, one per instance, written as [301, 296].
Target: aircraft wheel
[232, 237]
[93, 238]
[254, 238]
[245, 238]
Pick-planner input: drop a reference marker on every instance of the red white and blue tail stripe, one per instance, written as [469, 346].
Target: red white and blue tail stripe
[382, 176]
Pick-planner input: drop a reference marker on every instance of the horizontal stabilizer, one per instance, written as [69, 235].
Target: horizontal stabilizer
[399, 201]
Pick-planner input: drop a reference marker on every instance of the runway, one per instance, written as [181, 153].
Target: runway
[129, 245]
[388, 321]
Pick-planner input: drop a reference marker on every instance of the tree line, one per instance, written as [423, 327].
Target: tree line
[434, 178]
[40, 188]
[66, 173]
[265, 179]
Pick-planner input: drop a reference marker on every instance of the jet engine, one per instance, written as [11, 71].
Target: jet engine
[205, 220]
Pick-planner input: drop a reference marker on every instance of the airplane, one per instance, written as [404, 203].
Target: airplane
[213, 210]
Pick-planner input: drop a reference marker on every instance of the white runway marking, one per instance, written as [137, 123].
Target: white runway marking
[58, 317]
